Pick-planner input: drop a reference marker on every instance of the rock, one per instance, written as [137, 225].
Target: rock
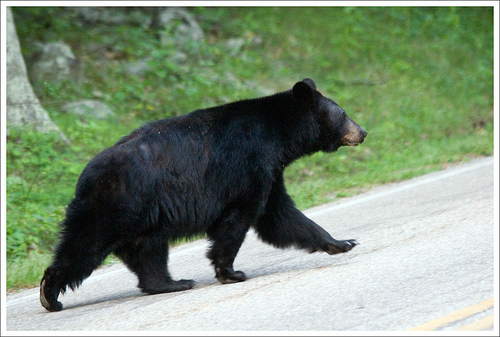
[55, 62]
[178, 58]
[181, 26]
[235, 45]
[113, 16]
[142, 67]
[88, 107]
[257, 41]
[137, 68]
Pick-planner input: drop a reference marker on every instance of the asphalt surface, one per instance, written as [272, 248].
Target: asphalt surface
[426, 252]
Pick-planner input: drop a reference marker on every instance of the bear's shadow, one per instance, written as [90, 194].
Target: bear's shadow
[284, 267]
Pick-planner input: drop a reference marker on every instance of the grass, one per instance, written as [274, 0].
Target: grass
[419, 80]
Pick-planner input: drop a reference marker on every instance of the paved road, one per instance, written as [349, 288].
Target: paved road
[425, 261]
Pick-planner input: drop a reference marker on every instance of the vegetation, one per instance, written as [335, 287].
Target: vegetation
[419, 80]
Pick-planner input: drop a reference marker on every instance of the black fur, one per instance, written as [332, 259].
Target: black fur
[217, 171]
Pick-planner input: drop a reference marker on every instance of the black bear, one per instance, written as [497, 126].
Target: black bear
[217, 171]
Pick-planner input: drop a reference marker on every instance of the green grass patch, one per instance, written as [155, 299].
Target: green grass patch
[419, 80]
[25, 272]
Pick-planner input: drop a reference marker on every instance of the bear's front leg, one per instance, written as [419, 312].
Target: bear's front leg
[283, 225]
[227, 235]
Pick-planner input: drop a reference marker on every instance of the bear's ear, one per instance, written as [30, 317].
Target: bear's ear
[303, 91]
[310, 82]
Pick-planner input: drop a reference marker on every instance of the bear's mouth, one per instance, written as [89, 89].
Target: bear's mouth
[347, 142]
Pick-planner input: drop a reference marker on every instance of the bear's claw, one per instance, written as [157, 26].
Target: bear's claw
[341, 246]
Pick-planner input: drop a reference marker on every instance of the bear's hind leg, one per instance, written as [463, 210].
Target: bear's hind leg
[147, 257]
[74, 260]
[227, 237]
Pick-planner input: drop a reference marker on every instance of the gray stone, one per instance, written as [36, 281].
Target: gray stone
[88, 107]
[235, 45]
[179, 57]
[181, 25]
[55, 63]
[137, 68]
[113, 16]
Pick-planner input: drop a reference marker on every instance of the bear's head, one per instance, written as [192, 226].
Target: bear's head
[336, 129]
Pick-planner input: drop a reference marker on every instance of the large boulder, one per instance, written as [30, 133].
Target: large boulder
[55, 62]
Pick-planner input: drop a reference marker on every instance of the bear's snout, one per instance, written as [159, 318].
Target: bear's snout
[355, 136]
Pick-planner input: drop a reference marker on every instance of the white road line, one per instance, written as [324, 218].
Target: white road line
[407, 185]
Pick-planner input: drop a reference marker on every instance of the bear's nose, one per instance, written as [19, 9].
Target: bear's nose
[363, 135]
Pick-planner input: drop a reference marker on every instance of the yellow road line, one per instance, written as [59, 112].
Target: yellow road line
[478, 325]
[453, 317]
